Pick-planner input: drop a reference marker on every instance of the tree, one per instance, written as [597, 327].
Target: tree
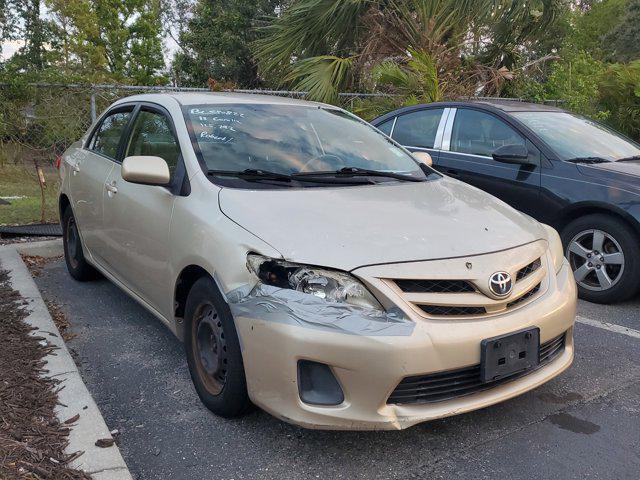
[336, 43]
[216, 42]
[120, 40]
[622, 43]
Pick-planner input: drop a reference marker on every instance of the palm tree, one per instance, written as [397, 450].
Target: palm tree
[323, 46]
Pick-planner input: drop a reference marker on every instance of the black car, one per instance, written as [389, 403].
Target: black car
[563, 169]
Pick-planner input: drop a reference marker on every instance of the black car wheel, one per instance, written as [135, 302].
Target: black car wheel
[77, 265]
[213, 351]
[603, 253]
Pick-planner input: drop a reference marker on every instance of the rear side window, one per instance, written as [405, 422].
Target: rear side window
[107, 138]
[480, 133]
[418, 129]
[386, 127]
[152, 135]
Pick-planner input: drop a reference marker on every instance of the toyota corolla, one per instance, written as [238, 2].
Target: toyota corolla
[311, 265]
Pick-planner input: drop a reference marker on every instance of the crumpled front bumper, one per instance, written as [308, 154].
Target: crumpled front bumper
[368, 367]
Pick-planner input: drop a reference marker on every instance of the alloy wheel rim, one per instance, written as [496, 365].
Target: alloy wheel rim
[211, 348]
[596, 259]
[72, 242]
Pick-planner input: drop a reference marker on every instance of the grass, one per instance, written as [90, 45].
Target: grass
[22, 180]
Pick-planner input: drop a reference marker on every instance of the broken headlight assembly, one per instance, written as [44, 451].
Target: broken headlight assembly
[328, 285]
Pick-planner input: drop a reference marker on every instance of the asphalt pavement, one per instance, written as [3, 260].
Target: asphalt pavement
[583, 424]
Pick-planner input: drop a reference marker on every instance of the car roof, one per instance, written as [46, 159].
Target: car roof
[507, 106]
[219, 98]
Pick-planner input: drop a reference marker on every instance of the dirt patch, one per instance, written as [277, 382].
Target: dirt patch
[36, 263]
[32, 439]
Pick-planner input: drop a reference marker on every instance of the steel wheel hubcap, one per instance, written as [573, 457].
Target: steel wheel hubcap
[596, 259]
[211, 348]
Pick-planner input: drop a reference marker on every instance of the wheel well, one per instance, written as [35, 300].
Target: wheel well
[63, 203]
[581, 211]
[186, 279]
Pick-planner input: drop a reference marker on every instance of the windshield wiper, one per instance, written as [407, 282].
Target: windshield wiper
[358, 172]
[634, 158]
[588, 160]
[253, 174]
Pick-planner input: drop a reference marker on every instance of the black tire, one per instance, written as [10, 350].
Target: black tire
[618, 237]
[77, 265]
[213, 351]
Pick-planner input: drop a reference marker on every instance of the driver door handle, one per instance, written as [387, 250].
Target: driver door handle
[111, 188]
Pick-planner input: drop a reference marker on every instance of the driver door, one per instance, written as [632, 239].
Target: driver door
[137, 218]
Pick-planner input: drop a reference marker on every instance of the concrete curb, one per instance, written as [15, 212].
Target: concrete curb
[100, 463]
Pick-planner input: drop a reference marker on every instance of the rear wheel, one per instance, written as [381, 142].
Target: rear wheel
[604, 254]
[213, 351]
[77, 265]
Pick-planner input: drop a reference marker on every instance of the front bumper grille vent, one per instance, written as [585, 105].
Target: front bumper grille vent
[435, 286]
[524, 297]
[527, 270]
[451, 310]
[442, 386]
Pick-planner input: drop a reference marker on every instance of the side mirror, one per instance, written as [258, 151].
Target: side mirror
[516, 154]
[145, 169]
[423, 157]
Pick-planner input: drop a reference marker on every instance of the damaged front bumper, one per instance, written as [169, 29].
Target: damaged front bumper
[369, 357]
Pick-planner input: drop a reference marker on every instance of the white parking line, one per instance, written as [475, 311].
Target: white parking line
[612, 327]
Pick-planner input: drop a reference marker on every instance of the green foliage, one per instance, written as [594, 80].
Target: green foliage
[373, 31]
[575, 80]
[110, 39]
[415, 82]
[591, 26]
[619, 94]
[216, 42]
[622, 43]
[322, 76]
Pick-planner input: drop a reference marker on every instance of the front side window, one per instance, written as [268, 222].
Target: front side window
[572, 136]
[480, 133]
[107, 138]
[418, 129]
[152, 135]
[291, 139]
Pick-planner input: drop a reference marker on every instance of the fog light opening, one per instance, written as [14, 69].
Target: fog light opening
[317, 385]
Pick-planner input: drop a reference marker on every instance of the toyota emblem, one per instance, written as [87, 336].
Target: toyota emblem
[500, 284]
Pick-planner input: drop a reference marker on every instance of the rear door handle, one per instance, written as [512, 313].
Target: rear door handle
[75, 167]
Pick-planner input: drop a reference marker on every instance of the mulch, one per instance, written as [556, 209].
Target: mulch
[32, 439]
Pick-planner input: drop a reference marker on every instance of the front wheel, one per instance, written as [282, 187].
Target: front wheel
[213, 351]
[604, 254]
[77, 265]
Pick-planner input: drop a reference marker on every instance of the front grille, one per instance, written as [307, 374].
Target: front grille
[441, 386]
[527, 270]
[435, 286]
[451, 310]
[524, 297]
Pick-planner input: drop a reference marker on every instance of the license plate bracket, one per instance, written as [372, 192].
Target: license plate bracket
[506, 355]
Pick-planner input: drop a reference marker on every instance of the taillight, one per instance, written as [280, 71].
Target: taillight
[58, 161]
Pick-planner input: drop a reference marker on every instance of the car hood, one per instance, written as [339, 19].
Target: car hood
[622, 172]
[349, 227]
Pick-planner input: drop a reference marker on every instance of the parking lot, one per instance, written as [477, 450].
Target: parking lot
[584, 424]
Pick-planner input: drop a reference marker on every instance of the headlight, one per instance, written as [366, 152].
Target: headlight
[326, 284]
[555, 247]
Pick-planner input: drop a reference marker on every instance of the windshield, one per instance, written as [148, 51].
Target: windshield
[290, 139]
[572, 136]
